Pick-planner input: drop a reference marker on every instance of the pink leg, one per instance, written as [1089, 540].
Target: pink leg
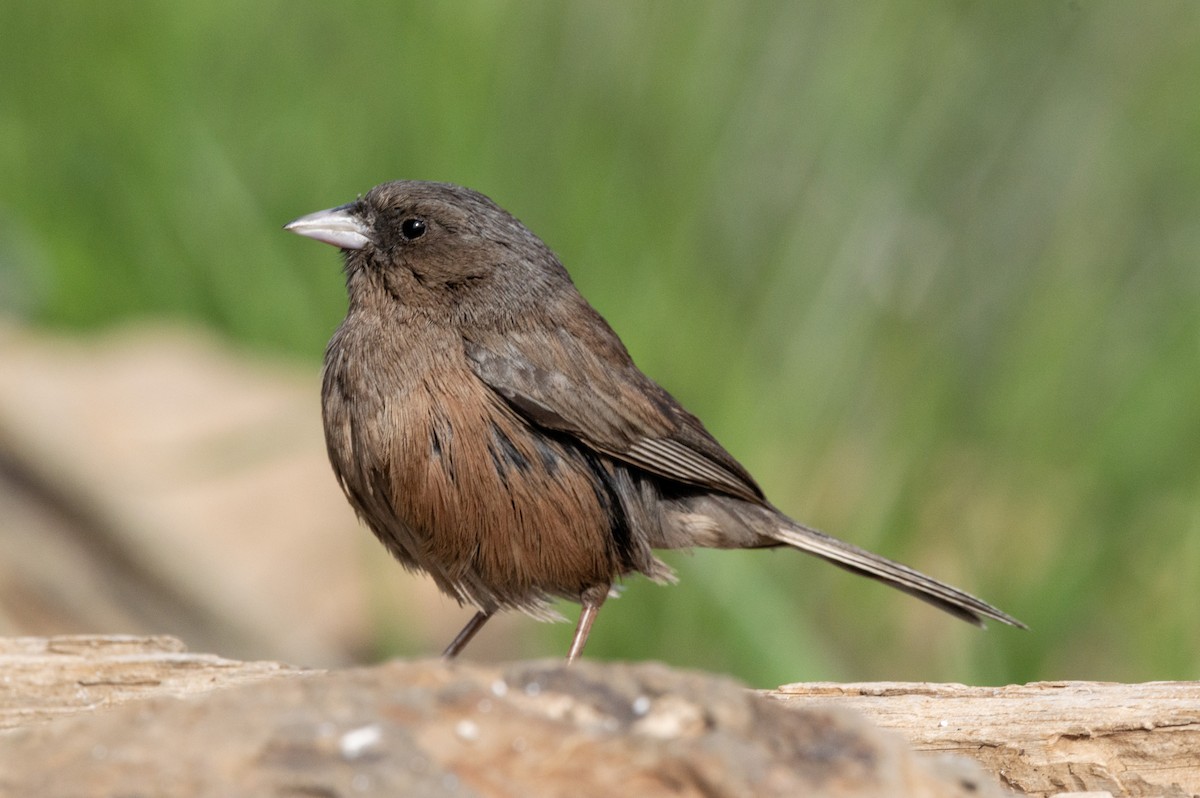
[592, 600]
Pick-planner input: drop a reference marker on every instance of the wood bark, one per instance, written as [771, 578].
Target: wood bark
[42, 678]
[1043, 738]
[156, 719]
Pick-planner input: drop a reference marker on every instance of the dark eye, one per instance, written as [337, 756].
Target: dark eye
[412, 228]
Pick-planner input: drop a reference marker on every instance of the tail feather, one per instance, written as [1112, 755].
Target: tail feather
[860, 561]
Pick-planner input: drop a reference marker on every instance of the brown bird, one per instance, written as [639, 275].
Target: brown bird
[492, 431]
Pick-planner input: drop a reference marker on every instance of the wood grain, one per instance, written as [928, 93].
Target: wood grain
[1042, 738]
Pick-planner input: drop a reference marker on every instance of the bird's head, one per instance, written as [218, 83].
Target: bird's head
[436, 242]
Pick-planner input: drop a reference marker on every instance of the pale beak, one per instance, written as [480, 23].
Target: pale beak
[337, 226]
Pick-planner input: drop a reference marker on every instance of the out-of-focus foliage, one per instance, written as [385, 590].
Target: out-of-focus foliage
[928, 268]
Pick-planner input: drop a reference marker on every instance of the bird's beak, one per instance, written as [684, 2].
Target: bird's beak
[337, 226]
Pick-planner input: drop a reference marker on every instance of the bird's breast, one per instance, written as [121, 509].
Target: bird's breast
[454, 483]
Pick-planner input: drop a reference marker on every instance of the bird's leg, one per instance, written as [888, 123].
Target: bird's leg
[462, 638]
[592, 599]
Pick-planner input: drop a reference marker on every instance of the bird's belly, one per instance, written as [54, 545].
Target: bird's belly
[454, 484]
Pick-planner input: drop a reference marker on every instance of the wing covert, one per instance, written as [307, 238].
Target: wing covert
[600, 397]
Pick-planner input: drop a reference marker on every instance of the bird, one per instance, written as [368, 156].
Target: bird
[493, 432]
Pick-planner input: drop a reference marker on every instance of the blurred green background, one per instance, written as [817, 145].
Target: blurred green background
[927, 268]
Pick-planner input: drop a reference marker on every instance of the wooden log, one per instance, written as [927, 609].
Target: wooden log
[42, 678]
[1043, 738]
[429, 727]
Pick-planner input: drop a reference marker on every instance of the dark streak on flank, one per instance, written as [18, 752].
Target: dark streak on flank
[604, 485]
[441, 435]
[505, 450]
[550, 457]
[498, 464]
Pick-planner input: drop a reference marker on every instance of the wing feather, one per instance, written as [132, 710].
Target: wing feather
[596, 394]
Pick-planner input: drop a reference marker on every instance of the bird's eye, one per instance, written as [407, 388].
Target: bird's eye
[412, 228]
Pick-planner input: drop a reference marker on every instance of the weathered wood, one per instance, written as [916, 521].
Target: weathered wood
[1043, 738]
[42, 678]
[429, 728]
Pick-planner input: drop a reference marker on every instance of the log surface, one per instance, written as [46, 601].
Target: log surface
[103, 718]
[1042, 738]
[42, 678]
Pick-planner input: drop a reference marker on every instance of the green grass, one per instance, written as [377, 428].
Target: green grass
[928, 268]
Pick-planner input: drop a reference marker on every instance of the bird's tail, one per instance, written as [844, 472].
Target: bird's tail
[860, 561]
